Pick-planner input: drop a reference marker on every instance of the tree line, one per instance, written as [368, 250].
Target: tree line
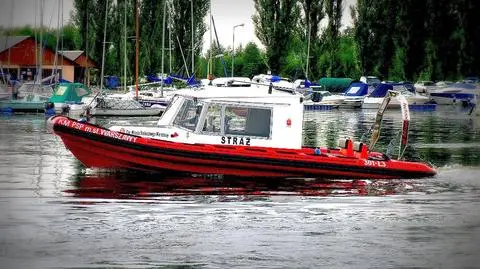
[395, 40]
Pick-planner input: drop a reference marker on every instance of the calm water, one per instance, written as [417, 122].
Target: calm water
[54, 213]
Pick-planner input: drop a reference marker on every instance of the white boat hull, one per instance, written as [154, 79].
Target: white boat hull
[375, 102]
[443, 100]
[449, 100]
[5, 96]
[352, 102]
[127, 112]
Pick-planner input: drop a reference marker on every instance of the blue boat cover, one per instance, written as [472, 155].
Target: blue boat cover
[191, 81]
[168, 80]
[153, 78]
[357, 89]
[112, 82]
[381, 90]
[275, 79]
[307, 83]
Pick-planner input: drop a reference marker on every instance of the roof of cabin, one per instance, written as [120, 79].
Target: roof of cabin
[255, 94]
[7, 42]
[71, 54]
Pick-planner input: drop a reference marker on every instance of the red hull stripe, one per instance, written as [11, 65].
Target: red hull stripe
[113, 157]
[211, 161]
[285, 165]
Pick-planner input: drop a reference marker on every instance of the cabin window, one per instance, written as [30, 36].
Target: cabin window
[80, 91]
[353, 90]
[248, 121]
[212, 122]
[188, 115]
[61, 90]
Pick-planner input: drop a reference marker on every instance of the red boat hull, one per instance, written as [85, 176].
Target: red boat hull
[98, 147]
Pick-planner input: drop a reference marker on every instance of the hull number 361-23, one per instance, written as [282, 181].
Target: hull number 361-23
[375, 163]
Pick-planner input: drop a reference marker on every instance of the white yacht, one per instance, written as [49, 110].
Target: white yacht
[375, 98]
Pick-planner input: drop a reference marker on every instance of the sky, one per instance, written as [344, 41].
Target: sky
[14, 13]
[226, 13]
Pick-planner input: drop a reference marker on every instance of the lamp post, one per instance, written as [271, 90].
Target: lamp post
[233, 44]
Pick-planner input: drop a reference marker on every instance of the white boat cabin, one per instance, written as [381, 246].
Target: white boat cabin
[243, 118]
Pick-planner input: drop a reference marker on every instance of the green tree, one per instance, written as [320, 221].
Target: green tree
[88, 17]
[180, 14]
[333, 10]
[71, 39]
[275, 22]
[151, 36]
[295, 58]
[409, 40]
[347, 61]
[467, 36]
[364, 35]
[219, 62]
[252, 61]
[313, 14]
[385, 30]
[121, 47]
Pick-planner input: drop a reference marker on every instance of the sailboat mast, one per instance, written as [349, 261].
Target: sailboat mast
[308, 50]
[125, 45]
[87, 75]
[170, 44]
[36, 40]
[9, 52]
[193, 49]
[39, 75]
[55, 70]
[61, 41]
[104, 41]
[136, 48]
[163, 44]
[210, 50]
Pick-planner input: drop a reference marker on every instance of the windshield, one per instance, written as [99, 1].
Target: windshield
[61, 90]
[188, 115]
[373, 80]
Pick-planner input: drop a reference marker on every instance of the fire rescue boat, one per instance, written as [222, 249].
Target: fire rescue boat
[251, 133]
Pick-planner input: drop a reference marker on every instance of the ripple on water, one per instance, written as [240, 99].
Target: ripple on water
[56, 213]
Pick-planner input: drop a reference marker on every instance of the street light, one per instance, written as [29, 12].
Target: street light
[233, 44]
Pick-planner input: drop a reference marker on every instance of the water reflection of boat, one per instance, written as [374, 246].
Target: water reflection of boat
[145, 186]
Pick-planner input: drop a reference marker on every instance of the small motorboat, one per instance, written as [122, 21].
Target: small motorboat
[67, 97]
[4, 92]
[251, 132]
[456, 93]
[351, 98]
[31, 97]
[153, 96]
[376, 97]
